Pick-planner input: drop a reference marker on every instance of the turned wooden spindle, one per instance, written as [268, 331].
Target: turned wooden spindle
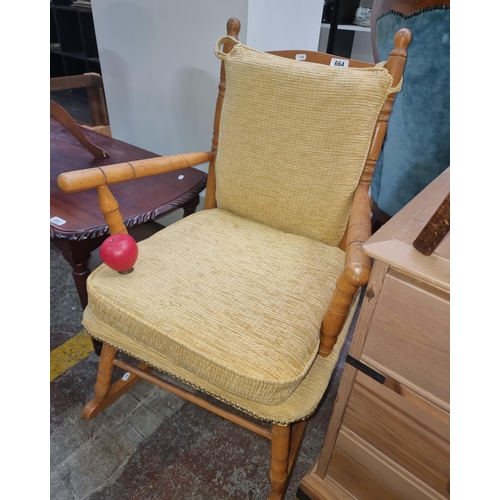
[232, 29]
[89, 178]
[102, 386]
[336, 314]
[105, 372]
[395, 65]
[280, 450]
[357, 264]
[111, 211]
[356, 272]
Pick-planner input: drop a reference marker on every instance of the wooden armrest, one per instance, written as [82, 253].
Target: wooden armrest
[100, 177]
[356, 273]
[64, 118]
[80, 180]
[357, 263]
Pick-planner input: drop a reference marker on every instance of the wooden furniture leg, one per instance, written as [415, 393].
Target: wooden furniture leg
[107, 393]
[105, 372]
[280, 451]
[190, 207]
[77, 254]
[103, 383]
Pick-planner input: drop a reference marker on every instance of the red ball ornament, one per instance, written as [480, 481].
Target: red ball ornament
[119, 252]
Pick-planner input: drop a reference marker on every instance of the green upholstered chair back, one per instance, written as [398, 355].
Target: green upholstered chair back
[417, 146]
[294, 137]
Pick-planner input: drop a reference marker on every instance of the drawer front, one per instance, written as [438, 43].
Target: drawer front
[367, 475]
[410, 334]
[405, 433]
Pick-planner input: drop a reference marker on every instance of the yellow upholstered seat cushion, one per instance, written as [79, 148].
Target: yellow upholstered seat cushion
[229, 300]
[294, 138]
[300, 405]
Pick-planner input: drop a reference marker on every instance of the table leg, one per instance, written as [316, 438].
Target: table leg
[190, 207]
[77, 254]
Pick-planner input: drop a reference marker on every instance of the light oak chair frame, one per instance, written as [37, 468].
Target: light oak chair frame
[285, 439]
[95, 92]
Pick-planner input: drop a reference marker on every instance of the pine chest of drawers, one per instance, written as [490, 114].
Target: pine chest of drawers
[389, 434]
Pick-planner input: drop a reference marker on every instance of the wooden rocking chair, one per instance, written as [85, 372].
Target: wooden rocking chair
[249, 300]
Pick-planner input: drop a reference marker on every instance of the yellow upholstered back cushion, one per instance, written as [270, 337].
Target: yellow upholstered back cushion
[294, 137]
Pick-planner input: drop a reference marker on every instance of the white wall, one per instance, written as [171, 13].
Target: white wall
[362, 49]
[281, 25]
[159, 69]
[158, 64]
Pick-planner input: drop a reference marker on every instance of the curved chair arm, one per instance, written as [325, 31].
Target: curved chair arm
[357, 269]
[357, 263]
[101, 177]
[58, 113]
[88, 178]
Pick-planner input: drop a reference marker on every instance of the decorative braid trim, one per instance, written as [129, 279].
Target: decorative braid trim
[198, 388]
[413, 14]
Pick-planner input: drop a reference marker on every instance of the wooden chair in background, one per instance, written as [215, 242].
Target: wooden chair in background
[249, 300]
[92, 82]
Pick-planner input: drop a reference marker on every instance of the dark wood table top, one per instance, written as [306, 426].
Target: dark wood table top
[140, 200]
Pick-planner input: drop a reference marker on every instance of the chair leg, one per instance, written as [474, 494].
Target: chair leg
[280, 452]
[105, 372]
[104, 379]
[105, 392]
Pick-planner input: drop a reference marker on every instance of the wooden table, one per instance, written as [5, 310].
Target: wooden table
[389, 434]
[77, 226]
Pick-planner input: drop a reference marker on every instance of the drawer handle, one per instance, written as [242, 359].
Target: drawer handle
[365, 369]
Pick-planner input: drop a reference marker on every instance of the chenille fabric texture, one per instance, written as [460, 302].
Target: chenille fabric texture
[231, 300]
[269, 290]
[293, 140]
